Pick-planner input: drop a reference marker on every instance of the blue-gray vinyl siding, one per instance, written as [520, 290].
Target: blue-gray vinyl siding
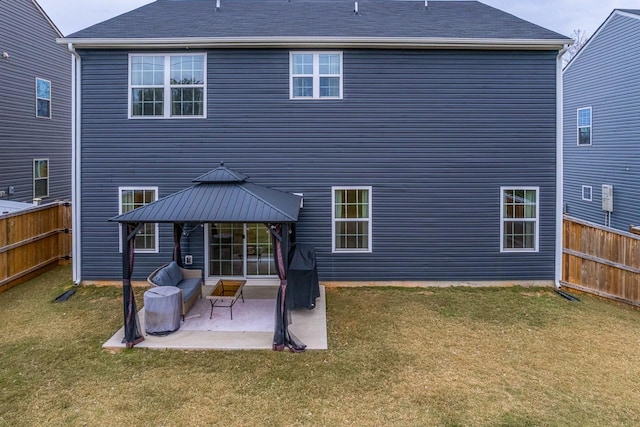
[605, 77]
[30, 41]
[434, 133]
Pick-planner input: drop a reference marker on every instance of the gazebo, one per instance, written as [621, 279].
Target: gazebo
[221, 195]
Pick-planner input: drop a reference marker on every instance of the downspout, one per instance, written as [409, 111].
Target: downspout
[559, 168]
[76, 77]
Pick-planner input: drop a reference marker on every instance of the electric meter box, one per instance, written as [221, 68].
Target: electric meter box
[607, 198]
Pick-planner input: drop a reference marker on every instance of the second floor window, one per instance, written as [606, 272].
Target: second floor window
[584, 126]
[43, 98]
[315, 75]
[167, 85]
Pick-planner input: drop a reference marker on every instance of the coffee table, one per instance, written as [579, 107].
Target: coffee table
[225, 294]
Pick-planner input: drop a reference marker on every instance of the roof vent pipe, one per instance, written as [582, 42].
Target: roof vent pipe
[355, 8]
[217, 4]
[426, 4]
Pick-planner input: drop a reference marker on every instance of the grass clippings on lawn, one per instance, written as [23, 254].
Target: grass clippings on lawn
[415, 357]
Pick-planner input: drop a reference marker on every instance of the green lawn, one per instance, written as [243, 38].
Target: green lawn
[401, 357]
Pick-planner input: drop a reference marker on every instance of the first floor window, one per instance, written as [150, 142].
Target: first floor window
[584, 126]
[40, 178]
[316, 75]
[519, 219]
[131, 198]
[43, 98]
[167, 85]
[586, 193]
[351, 219]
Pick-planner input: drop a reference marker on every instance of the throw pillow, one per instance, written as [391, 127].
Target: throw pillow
[162, 278]
[174, 272]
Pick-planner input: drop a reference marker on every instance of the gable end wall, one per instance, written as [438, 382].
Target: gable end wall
[605, 77]
[30, 41]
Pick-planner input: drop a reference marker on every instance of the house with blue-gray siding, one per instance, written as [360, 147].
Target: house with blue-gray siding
[35, 106]
[423, 138]
[601, 126]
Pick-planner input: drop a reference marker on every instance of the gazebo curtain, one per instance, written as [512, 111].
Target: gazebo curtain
[177, 237]
[282, 336]
[132, 333]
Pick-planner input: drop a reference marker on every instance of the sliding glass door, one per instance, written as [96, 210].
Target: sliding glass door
[240, 250]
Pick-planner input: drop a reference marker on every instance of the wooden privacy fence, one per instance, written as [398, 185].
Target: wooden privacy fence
[601, 261]
[33, 241]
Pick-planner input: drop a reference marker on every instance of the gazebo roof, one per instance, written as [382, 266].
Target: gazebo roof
[221, 195]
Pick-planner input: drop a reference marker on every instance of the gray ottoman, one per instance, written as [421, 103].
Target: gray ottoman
[162, 306]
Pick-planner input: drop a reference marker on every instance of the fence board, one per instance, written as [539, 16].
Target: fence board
[600, 260]
[33, 241]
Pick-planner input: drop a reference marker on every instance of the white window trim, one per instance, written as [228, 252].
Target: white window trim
[316, 75]
[50, 99]
[138, 251]
[333, 220]
[584, 187]
[34, 177]
[578, 127]
[167, 87]
[536, 220]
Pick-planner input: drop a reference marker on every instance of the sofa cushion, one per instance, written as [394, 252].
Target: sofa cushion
[162, 278]
[174, 272]
[189, 286]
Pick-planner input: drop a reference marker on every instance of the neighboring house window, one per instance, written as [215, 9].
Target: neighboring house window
[40, 178]
[167, 86]
[351, 219]
[43, 98]
[586, 192]
[584, 126]
[131, 198]
[315, 75]
[519, 219]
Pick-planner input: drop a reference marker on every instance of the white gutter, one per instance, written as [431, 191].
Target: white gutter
[319, 42]
[559, 168]
[76, 78]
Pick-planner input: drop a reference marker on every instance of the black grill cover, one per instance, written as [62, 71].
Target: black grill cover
[302, 279]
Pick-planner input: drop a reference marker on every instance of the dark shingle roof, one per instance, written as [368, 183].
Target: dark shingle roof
[316, 18]
[229, 200]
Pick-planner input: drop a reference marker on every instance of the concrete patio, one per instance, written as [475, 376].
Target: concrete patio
[247, 331]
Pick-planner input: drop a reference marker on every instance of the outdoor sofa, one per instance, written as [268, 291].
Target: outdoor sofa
[189, 281]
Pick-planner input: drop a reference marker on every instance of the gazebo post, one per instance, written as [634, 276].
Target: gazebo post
[132, 334]
[285, 246]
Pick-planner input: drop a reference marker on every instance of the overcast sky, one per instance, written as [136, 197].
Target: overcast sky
[562, 16]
